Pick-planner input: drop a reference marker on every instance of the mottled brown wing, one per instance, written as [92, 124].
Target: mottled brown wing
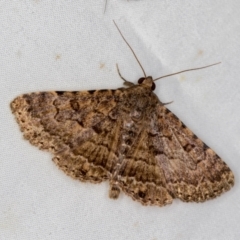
[140, 175]
[193, 171]
[75, 126]
[168, 161]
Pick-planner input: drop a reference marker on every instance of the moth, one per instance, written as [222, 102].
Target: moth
[126, 136]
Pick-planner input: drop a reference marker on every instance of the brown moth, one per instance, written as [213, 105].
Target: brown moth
[126, 136]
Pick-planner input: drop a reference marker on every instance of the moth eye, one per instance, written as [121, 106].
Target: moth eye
[153, 86]
[140, 80]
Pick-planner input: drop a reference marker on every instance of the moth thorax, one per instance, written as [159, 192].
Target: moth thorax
[148, 82]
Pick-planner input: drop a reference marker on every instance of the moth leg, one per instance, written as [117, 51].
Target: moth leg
[167, 103]
[126, 82]
[114, 191]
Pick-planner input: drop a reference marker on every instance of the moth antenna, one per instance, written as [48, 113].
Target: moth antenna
[193, 69]
[130, 49]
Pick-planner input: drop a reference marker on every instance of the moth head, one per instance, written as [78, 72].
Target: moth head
[148, 82]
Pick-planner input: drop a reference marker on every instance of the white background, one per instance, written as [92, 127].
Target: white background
[71, 45]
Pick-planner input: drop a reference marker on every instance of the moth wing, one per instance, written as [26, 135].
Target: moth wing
[77, 127]
[168, 161]
[193, 171]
